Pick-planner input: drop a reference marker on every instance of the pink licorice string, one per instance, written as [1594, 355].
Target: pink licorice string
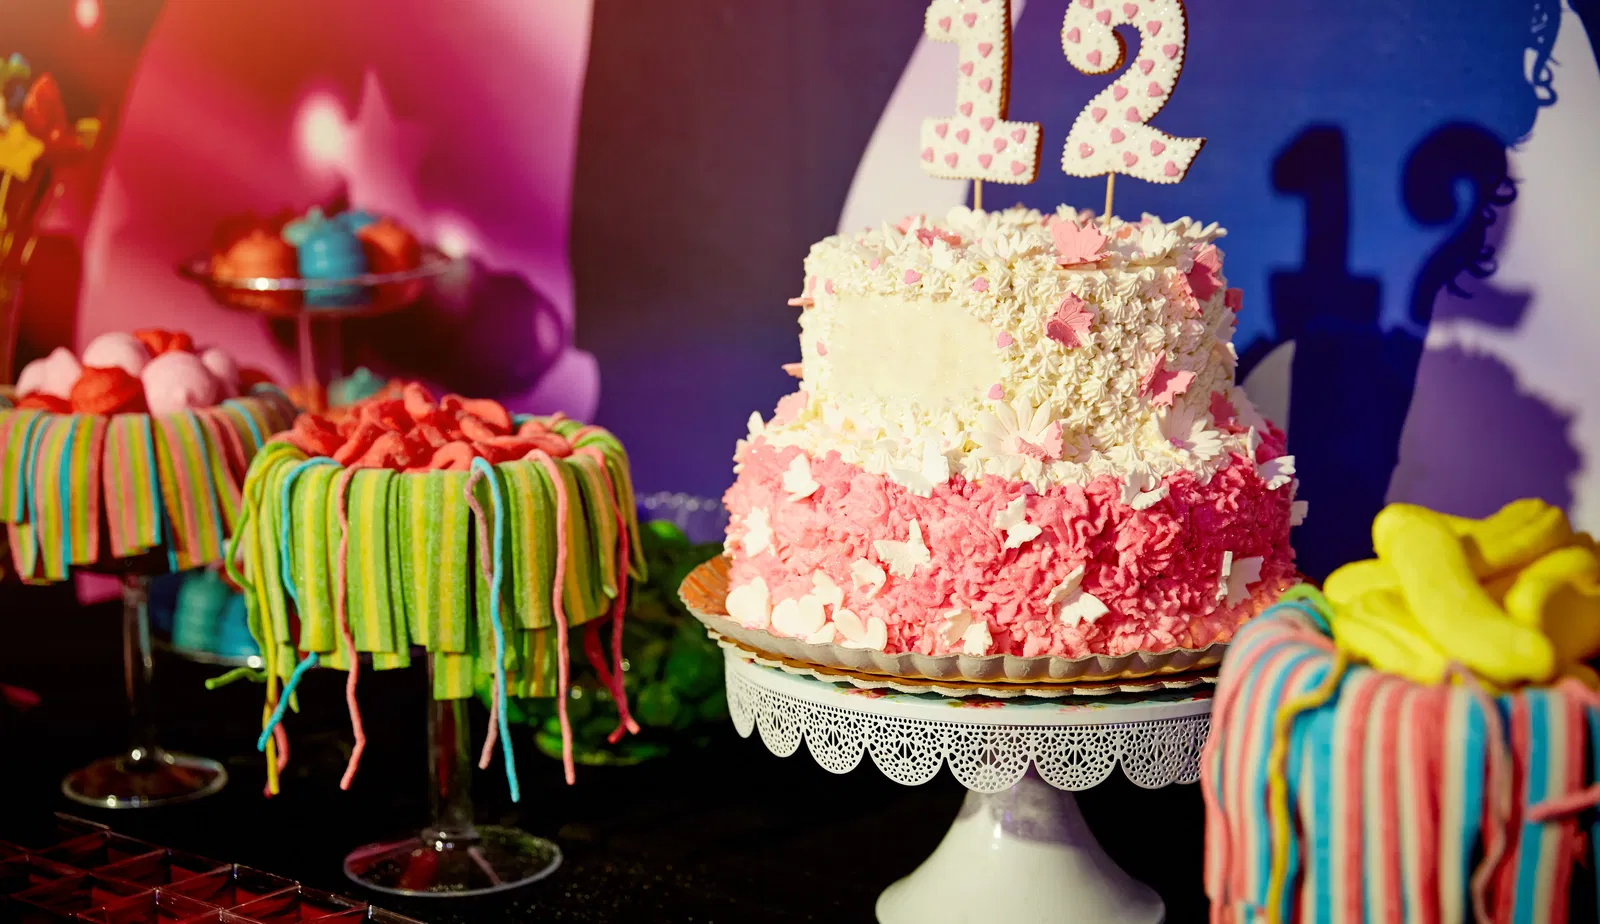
[619, 608]
[340, 491]
[563, 661]
[486, 756]
[1497, 792]
[1579, 800]
[281, 738]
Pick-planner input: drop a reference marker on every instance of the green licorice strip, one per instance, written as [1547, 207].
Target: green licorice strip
[411, 515]
[452, 675]
[447, 530]
[14, 434]
[601, 518]
[269, 525]
[540, 538]
[538, 676]
[367, 603]
[24, 551]
[580, 571]
[517, 489]
[389, 660]
[397, 523]
[622, 483]
[484, 556]
[259, 536]
[312, 549]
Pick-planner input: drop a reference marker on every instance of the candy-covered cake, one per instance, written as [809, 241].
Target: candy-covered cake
[448, 525]
[140, 444]
[1417, 742]
[1014, 433]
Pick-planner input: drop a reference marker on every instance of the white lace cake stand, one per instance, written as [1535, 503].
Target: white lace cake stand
[1019, 850]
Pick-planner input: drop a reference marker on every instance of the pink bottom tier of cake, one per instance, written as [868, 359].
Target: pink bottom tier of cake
[1158, 571]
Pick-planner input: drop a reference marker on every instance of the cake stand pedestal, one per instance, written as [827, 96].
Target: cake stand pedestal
[1019, 850]
[145, 775]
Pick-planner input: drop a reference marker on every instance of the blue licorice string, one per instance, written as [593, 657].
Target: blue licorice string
[306, 663]
[497, 502]
[285, 526]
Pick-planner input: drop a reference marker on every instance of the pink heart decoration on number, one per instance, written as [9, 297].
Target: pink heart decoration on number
[1104, 16]
[1154, 26]
[1118, 92]
[1018, 168]
[1019, 135]
[966, 68]
[986, 160]
[1132, 114]
[963, 135]
[984, 48]
[945, 24]
[941, 129]
[966, 109]
[1147, 65]
[1084, 150]
[1154, 89]
[1171, 51]
[1171, 169]
[1097, 113]
[987, 122]
[999, 145]
[1117, 136]
[1074, 36]
[1088, 4]
[1156, 148]
[1129, 158]
[1130, 10]
[951, 159]
[970, 19]
[1093, 58]
[927, 154]
[986, 84]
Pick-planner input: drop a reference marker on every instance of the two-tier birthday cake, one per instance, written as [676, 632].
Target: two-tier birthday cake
[1014, 434]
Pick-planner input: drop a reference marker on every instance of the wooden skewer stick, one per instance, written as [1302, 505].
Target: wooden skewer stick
[1111, 191]
[977, 195]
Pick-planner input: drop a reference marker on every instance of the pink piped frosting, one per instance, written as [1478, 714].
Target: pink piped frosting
[1157, 570]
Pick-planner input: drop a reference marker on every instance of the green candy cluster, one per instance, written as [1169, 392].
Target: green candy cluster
[673, 671]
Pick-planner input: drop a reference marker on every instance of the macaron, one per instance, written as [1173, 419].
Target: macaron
[177, 381]
[116, 349]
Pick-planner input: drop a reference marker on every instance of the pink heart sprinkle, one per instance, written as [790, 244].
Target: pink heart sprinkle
[996, 393]
[952, 158]
[1154, 89]
[1117, 136]
[1171, 51]
[874, 263]
[822, 348]
[1171, 169]
[970, 19]
[1118, 92]
[984, 48]
[1132, 114]
[1156, 148]
[1084, 150]
[1073, 35]
[986, 84]
[966, 109]
[1003, 340]
[1130, 10]
[1093, 58]
[1129, 158]
[927, 154]
[941, 129]
[945, 24]
[999, 145]
[912, 277]
[1104, 16]
[1088, 4]
[981, 285]
[1019, 135]
[1154, 26]
[985, 160]
[966, 68]
[1147, 65]
[1018, 168]
[1097, 113]
[963, 135]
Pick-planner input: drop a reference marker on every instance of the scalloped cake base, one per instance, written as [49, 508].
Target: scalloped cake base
[705, 593]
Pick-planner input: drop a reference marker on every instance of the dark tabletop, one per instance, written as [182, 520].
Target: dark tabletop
[727, 832]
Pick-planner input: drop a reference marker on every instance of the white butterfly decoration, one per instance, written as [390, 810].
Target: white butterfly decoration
[1237, 575]
[748, 604]
[904, 558]
[872, 634]
[934, 471]
[865, 574]
[797, 479]
[1073, 604]
[1142, 489]
[826, 591]
[757, 531]
[962, 628]
[1276, 472]
[1297, 508]
[1013, 521]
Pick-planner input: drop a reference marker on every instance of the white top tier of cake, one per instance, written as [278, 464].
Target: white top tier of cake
[964, 346]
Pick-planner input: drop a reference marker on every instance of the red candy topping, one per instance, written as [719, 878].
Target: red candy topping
[159, 341]
[39, 401]
[413, 433]
[107, 391]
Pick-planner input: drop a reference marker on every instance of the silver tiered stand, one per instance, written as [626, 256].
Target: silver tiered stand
[1019, 850]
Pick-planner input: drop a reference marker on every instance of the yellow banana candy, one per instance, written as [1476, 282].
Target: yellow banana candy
[1440, 589]
[1347, 584]
[1377, 628]
[1513, 536]
[1560, 595]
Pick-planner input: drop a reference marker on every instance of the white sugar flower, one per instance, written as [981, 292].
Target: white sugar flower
[1017, 434]
[1187, 431]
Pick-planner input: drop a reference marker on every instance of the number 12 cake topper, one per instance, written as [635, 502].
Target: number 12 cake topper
[1110, 136]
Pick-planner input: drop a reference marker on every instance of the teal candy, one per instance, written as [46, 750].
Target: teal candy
[296, 232]
[332, 251]
[355, 219]
[198, 613]
[358, 386]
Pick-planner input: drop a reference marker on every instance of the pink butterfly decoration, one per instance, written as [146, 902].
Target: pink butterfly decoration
[1069, 326]
[1049, 447]
[1205, 278]
[1162, 385]
[1077, 245]
[1223, 413]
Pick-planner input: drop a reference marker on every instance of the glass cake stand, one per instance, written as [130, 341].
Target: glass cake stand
[145, 775]
[1019, 850]
[452, 857]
